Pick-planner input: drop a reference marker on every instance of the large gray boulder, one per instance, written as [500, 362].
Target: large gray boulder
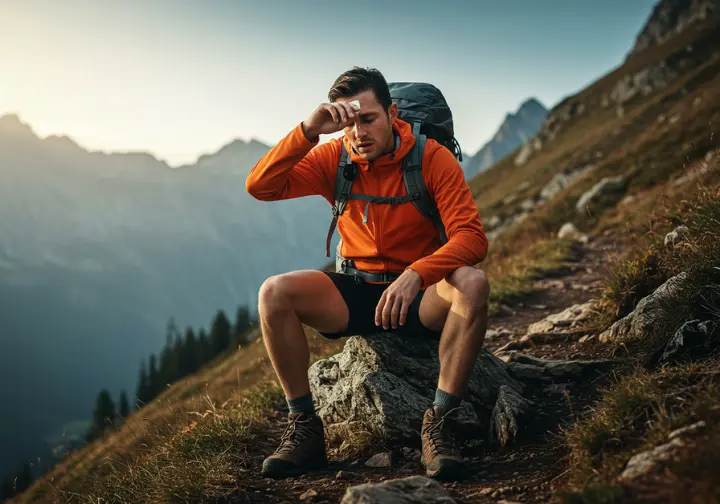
[380, 386]
[644, 319]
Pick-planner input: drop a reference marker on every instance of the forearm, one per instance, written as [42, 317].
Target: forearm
[284, 172]
[465, 248]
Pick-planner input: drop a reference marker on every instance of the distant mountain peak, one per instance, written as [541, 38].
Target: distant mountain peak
[515, 129]
[11, 124]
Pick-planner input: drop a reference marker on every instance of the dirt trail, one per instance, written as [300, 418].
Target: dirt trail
[526, 471]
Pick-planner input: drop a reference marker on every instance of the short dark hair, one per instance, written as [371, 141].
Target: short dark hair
[360, 79]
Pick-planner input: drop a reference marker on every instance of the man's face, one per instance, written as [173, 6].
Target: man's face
[371, 134]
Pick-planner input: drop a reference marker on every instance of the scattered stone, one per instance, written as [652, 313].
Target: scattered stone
[606, 185]
[413, 489]
[538, 307]
[688, 430]
[501, 332]
[674, 237]
[493, 222]
[587, 338]
[570, 232]
[566, 319]
[528, 204]
[345, 475]
[310, 494]
[380, 460]
[562, 180]
[647, 461]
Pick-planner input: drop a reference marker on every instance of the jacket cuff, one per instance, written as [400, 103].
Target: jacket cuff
[300, 134]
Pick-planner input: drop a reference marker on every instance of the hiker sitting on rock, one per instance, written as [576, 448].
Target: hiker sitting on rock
[410, 239]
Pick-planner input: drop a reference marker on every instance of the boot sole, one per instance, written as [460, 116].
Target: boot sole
[279, 468]
[448, 470]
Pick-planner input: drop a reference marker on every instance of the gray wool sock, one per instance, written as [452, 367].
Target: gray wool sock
[303, 404]
[446, 400]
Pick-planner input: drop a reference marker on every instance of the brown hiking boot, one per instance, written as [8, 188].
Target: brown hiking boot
[302, 447]
[437, 452]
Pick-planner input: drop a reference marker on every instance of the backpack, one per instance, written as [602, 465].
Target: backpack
[423, 106]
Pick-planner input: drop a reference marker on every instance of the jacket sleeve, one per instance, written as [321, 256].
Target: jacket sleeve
[293, 168]
[467, 244]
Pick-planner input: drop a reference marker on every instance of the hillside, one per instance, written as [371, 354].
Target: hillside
[627, 160]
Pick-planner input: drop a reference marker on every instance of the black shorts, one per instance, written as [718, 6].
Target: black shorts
[362, 298]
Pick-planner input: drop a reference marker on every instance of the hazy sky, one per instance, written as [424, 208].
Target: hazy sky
[180, 78]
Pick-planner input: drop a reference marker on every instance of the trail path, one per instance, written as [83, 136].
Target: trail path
[524, 472]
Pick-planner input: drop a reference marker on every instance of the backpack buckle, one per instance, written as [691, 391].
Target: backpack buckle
[349, 171]
[416, 196]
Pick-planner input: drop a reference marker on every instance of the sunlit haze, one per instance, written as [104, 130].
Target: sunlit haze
[182, 78]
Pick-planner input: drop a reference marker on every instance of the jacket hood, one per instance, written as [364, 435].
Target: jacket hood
[404, 141]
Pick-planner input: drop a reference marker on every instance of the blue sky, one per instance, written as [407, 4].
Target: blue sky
[181, 78]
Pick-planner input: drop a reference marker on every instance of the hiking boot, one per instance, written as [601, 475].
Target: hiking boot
[437, 452]
[302, 447]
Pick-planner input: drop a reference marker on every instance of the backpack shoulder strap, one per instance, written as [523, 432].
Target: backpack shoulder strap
[344, 177]
[415, 183]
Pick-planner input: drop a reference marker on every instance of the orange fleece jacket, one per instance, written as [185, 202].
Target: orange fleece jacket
[395, 237]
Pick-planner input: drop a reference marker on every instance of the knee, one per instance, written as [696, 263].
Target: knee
[471, 287]
[272, 295]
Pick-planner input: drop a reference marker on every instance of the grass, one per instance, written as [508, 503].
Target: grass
[512, 276]
[637, 414]
[640, 410]
[202, 462]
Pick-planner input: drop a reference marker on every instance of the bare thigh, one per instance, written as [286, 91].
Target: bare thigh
[312, 295]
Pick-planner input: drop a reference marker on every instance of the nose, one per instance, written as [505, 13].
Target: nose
[359, 130]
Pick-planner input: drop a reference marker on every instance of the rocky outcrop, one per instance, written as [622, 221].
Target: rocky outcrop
[563, 180]
[671, 17]
[379, 386]
[568, 231]
[605, 186]
[648, 311]
[414, 489]
[382, 384]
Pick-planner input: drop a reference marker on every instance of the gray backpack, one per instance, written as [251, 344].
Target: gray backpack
[423, 106]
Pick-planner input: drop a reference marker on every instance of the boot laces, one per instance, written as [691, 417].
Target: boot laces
[436, 430]
[296, 431]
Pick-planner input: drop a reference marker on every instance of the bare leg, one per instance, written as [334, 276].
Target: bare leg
[285, 303]
[459, 307]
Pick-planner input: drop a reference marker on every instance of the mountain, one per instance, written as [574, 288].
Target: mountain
[672, 17]
[98, 251]
[515, 130]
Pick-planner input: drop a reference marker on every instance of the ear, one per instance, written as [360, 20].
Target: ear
[393, 111]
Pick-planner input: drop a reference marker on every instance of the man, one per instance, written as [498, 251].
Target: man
[416, 285]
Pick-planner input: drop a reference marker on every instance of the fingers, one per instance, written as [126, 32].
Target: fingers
[342, 112]
[404, 312]
[379, 308]
[395, 311]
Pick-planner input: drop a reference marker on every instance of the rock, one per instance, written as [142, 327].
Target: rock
[525, 152]
[570, 232]
[647, 461]
[380, 460]
[627, 200]
[688, 430]
[381, 385]
[562, 180]
[413, 489]
[558, 371]
[508, 408]
[527, 204]
[502, 332]
[310, 494]
[676, 235]
[606, 185]
[345, 475]
[691, 335]
[493, 222]
[644, 318]
[566, 319]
